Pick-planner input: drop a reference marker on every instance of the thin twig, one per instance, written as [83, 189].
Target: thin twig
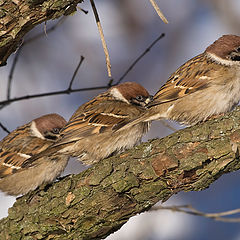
[139, 58]
[102, 38]
[66, 91]
[83, 10]
[4, 128]
[192, 211]
[45, 28]
[75, 73]
[10, 76]
[159, 12]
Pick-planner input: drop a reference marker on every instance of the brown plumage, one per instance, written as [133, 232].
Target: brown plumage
[206, 85]
[91, 133]
[23, 143]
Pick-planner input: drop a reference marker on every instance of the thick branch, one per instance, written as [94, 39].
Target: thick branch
[19, 17]
[101, 199]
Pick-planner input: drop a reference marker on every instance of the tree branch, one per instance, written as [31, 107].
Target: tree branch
[188, 209]
[19, 17]
[101, 199]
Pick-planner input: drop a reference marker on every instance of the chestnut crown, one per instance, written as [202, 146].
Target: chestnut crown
[132, 93]
[226, 47]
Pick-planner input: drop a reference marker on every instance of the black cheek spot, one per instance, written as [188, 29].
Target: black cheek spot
[235, 58]
[51, 137]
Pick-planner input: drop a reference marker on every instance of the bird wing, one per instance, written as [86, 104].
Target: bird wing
[11, 162]
[97, 119]
[17, 147]
[22, 141]
[187, 79]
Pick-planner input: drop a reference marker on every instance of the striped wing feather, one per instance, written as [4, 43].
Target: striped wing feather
[17, 147]
[100, 118]
[189, 78]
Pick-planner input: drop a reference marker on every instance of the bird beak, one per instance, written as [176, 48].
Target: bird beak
[153, 103]
[149, 99]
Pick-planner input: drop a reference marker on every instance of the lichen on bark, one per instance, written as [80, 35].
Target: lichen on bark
[18, 17]
[101, 199]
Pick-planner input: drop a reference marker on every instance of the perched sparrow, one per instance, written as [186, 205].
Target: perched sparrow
[206, 85]
[91, 132]
[20, 145]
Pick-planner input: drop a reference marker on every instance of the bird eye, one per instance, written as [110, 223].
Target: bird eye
[56, 130]
[139, 98]
[238, 49]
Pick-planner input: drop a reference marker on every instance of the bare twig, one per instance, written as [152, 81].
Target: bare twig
[192, 211]
[18, 53]
[69, 89]
[45, 28]
[10, 76]
[66, 91]
[102, 38]
[83, 10]
[24, 43]
[4, 128]
[159, 12]
[139, 58]
[75, 73]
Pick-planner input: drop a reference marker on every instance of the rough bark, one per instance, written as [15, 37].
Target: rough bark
[98, 201]
[18, 17]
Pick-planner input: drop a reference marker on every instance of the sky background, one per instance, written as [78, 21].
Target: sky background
[47, 64]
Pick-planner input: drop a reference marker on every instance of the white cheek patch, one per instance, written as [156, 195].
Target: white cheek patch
[35, 131]
[222, 61]
[116, 94]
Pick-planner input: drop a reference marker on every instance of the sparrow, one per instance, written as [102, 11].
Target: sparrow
[23, 143]
[206, 85]
[91, 133]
